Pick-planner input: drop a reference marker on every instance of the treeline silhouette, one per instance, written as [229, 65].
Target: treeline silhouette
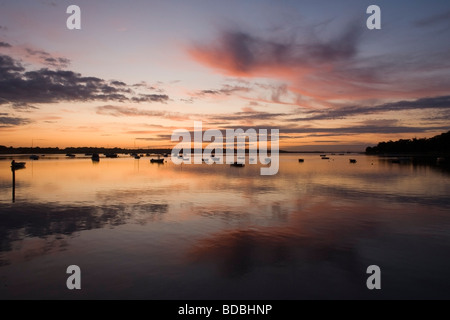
[437, 145]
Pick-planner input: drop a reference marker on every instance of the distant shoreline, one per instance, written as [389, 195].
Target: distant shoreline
[83, 150]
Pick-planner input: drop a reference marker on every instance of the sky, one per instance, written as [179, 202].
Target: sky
[138, 70]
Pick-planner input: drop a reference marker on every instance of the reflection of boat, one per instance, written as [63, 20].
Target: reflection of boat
[237, 164]
[34, 157]
[70, 155]
[137, 157]
[301, 160]
[17, 165]
[325, 158]
[352, 160]
[157, 160]
[215, 159]
[323, 155]
[95, 157]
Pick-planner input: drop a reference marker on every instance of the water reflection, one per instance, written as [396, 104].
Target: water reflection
[13, 184]
[214, 231]
[325, 249]
[439, 164]
[27, 221]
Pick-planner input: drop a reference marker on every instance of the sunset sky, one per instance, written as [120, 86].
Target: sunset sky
[137, 70]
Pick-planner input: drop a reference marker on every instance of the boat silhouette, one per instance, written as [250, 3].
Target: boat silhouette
[95, 157]
[17, 165]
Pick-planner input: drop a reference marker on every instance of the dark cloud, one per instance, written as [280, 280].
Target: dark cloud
[118, 83]
[445, 115]
[275, 92]
[242, 52]
[57, 62]
[4, 45]
[380, 122]
[140, 84]
[253, 115]
[151, 98]
[47, 59]
[209, 92]
[350, 130]
[345, 112]
[225, 90]
[20, 106]
[190, 100]
[47, 86]
[12, 122]
[368, 129]
[9, 68]
[433, 20]
[20, 87]
[159, 137]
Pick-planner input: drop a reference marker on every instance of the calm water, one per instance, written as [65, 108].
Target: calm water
[142, 230]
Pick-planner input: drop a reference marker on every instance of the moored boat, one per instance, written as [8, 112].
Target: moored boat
[17, 165]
